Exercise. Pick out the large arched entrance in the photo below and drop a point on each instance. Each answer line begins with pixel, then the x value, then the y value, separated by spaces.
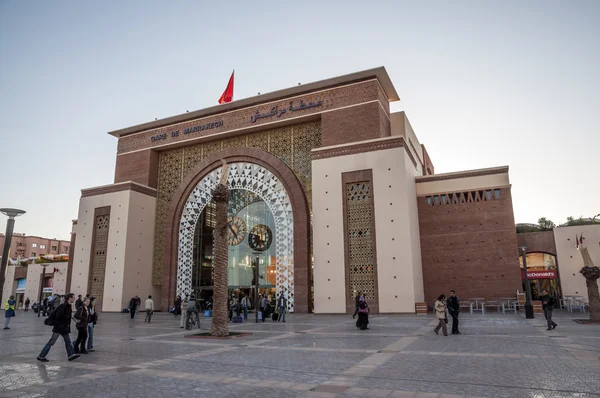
pixel 270 188
pixel 260 226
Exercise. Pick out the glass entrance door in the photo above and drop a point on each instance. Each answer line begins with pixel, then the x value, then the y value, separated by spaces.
pixel 251 238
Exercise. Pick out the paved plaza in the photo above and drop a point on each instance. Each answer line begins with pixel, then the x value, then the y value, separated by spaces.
pixel 309 356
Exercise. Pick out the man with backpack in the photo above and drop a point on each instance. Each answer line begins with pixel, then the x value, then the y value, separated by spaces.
pixel 60 320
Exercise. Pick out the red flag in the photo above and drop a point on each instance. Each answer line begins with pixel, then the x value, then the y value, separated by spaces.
pixel 228 93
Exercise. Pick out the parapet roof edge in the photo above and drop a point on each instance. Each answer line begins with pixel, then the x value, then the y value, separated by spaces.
pixel 379 73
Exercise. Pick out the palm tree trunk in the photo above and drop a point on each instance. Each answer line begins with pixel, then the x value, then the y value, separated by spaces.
pixel 594 298
pixel 220 325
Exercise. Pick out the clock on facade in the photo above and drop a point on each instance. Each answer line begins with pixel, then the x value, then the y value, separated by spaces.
pixel 260 238
pixel 236 231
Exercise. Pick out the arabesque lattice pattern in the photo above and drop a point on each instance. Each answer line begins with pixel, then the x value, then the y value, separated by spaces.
pixel 261 182
pixel 291 144
pixel 360 240
pixel 99 258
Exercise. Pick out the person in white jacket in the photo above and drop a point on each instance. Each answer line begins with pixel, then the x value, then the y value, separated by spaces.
pixel 440 314
pixel 149 305
pixel 184 308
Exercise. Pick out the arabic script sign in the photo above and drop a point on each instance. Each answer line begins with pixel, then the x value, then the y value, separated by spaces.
pixel 275 111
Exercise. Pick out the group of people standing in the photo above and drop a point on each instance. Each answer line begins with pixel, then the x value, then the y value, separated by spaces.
pixel 60 319
pixel 442 308
pixel 134 307
pixel 275 308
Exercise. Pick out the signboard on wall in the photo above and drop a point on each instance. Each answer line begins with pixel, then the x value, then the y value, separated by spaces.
pixel 548 274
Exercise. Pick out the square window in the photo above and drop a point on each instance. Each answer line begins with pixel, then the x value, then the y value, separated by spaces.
pixel 33 254
pixel 42 246
pixel 34 245
pixel 53 248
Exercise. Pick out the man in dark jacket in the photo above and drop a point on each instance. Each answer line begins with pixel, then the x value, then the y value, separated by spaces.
pixel 78 302
pixel 548 305
pixel 453 305
pixel 133 306
pixel 61 319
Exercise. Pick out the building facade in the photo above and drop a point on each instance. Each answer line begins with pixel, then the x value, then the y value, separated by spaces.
pixel 330 194
pixel 554 260
pixel 25 281
pixel 25 246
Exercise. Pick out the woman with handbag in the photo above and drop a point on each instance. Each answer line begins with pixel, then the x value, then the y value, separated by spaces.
pixel 81 322
pixel 92 320
pixel 440 314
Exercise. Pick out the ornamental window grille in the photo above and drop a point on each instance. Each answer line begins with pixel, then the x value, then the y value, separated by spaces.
pixel 361 259
pixel 484 195
pixel 99 257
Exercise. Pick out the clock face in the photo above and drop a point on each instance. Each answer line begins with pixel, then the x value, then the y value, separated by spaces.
pixel 260 238
pixel 236 231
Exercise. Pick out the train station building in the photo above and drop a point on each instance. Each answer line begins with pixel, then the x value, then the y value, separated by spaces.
pixel 331 193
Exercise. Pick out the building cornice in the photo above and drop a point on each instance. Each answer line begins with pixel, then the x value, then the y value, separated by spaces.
pixel 463 174
pixel 378 73
pixel 122 186
pixel 362 147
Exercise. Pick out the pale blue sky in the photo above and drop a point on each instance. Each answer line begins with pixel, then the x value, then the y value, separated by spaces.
pixel 484 83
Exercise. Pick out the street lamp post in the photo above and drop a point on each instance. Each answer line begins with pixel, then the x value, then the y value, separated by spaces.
pixel 528 305
pixel 10 225
pixel 42 287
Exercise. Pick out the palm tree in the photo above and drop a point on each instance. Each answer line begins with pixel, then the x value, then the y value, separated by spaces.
pixel 220 326
pixel 591 274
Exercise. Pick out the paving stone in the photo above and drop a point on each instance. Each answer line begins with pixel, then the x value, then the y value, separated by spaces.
pixel 496 356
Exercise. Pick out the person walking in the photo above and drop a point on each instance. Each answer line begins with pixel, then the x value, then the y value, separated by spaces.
pixel 282 306
pixel 92 320
pixel 139 304
pixel 453 308
pixel 548 306
pixel 356 304
pixel 45 307
pixel 440 314
pixel 184 308
pixel 133 306
pixel 263 307
pixel 61 327
pixel 149 306
pixel 27 302
pixel 78 302
pixel 245 306
pixel 363 314
pixel 177 306
pixel 82 316
pixel 9 312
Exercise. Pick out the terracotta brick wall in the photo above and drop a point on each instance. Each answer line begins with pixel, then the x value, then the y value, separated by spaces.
pixel 357 123
pixel 469 247
pixel 140 167
pixel 538 242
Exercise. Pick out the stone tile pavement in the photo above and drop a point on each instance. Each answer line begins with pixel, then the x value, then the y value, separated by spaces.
pixel 310 356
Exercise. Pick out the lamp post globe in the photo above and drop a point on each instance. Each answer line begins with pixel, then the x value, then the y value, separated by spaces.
pixel 10 225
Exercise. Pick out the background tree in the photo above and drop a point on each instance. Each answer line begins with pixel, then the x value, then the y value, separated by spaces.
pixel 545 224
pixel 220 194
pixel 591 274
